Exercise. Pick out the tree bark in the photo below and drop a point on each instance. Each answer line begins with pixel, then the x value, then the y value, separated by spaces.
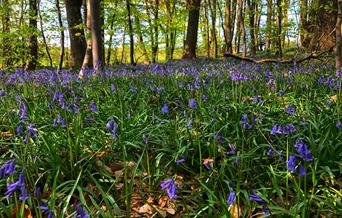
pixel 338 49
pixel 88 53
pixel 76 32
pixel 61 29
pixel 130 32
pixel 212 8
pixel 303 5
pixel 96 34
pixel 279 27
pixel 43 34
pixel 141 38
pixel 191 35
pixel 33 41
pixel 6 42
pixel 251 15
pixel 111 33
pixel 268 24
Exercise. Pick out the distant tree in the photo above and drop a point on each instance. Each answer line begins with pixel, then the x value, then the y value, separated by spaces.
pixel 76 32
pixel 130 32
pixel 61 30
pixel 192 29
pixel 6 42
pixel 338 42
pixel 96 36
pixel 33 41
pixel 268 24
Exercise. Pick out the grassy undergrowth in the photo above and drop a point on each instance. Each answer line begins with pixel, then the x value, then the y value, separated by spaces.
pixel 190 139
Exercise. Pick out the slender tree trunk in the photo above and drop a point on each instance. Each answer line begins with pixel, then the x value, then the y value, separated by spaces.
pixel 111 33
pixel 156 32
pixel 76 32
pixel 43 35
pixel 96 36
pixel 61 27
pixel 279 27
pixel 268 24
pixel 123 46
pixel 251 14
pixel 212 8
pixel 33 41
pixel 303 5
pixel 191 35
pixel 206 31
pixel 338 58
pixel 130 32
pixel 6 45
pixel 141 39
pixel 88 54
pixel 243 31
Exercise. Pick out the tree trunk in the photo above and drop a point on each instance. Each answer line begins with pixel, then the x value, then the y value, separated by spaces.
pixel 61 27
pixel 206 31
pixel 338 49
pixel 123 46
pixel 229 23
pixel 243 31
pixel 155 33
pixel 322 24
pixel 130 32
pixel 251 14
pixel 268 24
pixel 33 41
pixel 191 35
pixel 212 8
pixel 96 36
pixel 6 40
pixel 279 27
pixel 88 53
pixel 43 35
pixel 76 32
pixel 303 14
pixel 111 33
pixel 141 39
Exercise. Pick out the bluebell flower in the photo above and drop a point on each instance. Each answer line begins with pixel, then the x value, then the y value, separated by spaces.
pixel 204 98
pixel 302 171
pixel 19 129
pixel 189 123
pixel 303 151
pixel 255 197
pixel 114 132
pixel 276 129
pixel 26 138
pixel 23 196
pixel 12 187
pixel 112 88
pixel 219 137
pixel 92 107
pixel 32 130
pixel 8 168
pixel 165 109
pixel 270 152
pixel 81 212
pixel 281 92
pixel 339 125
pixel 171 187
pixel 290 109
pixel 192 103
pixel 291 163
pixel 231 149
pixel 244 122
pixel 110 125
pixel 180 160
pixel 45 209
pixel 231 198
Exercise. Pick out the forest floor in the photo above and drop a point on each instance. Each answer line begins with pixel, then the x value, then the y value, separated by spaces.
pixel 200 138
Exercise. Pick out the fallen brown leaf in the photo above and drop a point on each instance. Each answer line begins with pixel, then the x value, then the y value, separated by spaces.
pixel 6 134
